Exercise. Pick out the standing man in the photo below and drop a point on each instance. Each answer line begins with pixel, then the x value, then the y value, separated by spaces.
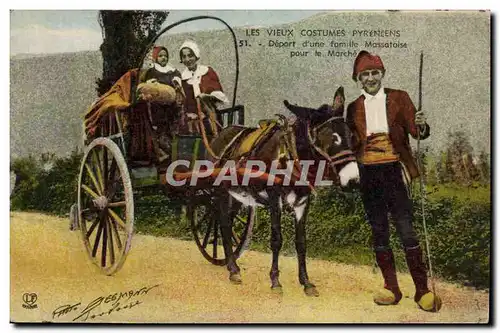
pixel 381 120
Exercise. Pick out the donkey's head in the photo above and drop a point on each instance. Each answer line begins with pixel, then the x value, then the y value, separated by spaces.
pixel 324 134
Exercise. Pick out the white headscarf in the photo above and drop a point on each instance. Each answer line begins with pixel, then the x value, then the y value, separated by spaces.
pixel 192 46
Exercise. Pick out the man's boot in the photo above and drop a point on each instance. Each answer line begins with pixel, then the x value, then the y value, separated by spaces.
pixel 425 299
pixel 392 294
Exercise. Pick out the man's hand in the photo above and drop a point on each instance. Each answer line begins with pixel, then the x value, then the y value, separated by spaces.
pixel 420 119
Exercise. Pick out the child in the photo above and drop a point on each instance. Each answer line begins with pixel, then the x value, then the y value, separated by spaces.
pixel 164 118
pixel 162 71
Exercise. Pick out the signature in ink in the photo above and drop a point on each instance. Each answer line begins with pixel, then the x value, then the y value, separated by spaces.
pixel 87 313
pixel 65 309
pixel 104 305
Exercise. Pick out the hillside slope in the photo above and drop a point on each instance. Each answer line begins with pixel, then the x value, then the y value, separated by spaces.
pixel 50 94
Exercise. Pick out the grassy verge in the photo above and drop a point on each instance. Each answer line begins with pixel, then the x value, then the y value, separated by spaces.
pixel 473 193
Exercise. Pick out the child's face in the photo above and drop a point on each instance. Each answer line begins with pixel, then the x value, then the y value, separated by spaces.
pixel 162 58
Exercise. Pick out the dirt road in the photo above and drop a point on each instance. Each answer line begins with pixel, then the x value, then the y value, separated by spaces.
pixel 167 280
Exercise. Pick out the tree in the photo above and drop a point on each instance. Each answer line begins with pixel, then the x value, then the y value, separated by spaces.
pixel 442 172
pixel 460 152
pixel 126 35
pixel 483 165
pixel 431 168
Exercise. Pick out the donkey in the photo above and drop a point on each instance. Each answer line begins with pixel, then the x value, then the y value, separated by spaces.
pixel 317 135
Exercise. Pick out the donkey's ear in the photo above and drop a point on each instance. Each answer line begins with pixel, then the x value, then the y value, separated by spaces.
pixel 340 91
pixel 298 111
pixel 338 101
pixel 338 98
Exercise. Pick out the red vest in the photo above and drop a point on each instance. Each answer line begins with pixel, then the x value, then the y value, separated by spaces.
pixel 401 122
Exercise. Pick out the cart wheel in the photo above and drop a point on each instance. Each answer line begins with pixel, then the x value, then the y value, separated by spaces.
pixel 105 205
pixel 207 233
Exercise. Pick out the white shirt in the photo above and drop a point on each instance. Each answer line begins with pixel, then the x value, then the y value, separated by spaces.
pixel 376 113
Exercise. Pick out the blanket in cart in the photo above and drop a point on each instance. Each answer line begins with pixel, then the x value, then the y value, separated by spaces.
pixel 117 98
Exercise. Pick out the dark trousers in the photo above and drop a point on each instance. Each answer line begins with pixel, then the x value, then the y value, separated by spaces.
pixel 384 192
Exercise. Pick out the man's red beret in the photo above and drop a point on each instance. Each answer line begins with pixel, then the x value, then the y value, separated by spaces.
pixel 364 61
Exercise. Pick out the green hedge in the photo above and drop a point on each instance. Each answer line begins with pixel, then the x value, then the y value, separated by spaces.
pixel 459 234
pixel 43 188
pixel 459 230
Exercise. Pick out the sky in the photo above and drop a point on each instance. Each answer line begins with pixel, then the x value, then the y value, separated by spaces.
pixel 56 31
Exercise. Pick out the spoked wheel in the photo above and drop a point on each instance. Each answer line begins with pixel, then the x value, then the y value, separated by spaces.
pixel 105 205
pixel 208 235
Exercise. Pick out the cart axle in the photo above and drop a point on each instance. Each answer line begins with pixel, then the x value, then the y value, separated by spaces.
pixel 101 202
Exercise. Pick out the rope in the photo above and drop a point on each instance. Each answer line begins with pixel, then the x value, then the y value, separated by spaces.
pixel 211 115
pixel 202 130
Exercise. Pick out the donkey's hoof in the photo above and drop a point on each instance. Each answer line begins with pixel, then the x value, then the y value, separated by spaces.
pixel 277 288
pixel 235 278
pixel 310 290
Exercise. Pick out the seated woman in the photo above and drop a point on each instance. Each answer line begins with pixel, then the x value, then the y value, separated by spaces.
pixel 198 81
pixel 166 104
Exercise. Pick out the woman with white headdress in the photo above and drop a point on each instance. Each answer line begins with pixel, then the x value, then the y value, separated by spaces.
pixel 198 81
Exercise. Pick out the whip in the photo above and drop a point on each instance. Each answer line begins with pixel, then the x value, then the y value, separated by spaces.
pixel 422 180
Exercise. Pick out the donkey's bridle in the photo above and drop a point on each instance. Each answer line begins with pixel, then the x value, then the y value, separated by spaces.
pixel 339 158
pixel 329 120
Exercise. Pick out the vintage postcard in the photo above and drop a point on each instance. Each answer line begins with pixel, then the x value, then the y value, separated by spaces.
pixel 250 166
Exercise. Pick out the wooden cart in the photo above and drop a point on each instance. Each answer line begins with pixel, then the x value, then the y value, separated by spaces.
pixel 110 177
